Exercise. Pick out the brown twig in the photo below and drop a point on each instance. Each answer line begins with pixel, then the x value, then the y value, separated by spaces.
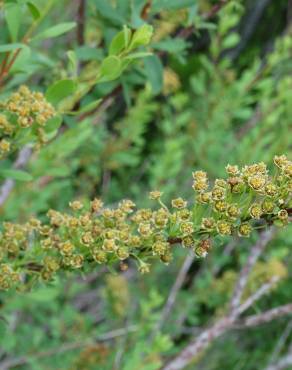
pixel 146 9
pixel 80 21
pixel 7 66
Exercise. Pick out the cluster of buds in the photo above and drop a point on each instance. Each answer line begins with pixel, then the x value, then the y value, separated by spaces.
pixel 91 234
pixel 24 109
pixel 8 277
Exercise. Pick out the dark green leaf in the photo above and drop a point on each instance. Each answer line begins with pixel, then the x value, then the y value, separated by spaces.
pixel 34 11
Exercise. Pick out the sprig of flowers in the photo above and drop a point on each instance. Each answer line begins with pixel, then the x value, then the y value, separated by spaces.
pixel 24 114
pixel 89 235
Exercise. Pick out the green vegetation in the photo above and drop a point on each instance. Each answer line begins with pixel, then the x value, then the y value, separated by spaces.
pixel 106 101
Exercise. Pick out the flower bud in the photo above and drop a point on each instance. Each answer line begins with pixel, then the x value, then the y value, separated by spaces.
pixel 178 203
pixel 224 228
pixel 255 211
pixel 244 229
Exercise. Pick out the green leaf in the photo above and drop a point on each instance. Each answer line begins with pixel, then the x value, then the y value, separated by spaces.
pixel 120 41
pixel 55 31
pixel 107 11
pixel 16 175
pixel 53 123
pixel 73 62
pixel 87 108
pixel 22 61
pixel 171 45
pixel 60 171
pixel 142 36
pixel 159 5
pixel 111 68
pixel 10 47
pixel 60 90
pixel 231 40
pixel 34 11
pixel 85 53
pixel 13 17
pixel 43 294
pixel 154 72
pixel 138 55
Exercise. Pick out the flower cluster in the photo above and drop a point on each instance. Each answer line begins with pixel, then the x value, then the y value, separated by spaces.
pixel 92 234
pixel 24 109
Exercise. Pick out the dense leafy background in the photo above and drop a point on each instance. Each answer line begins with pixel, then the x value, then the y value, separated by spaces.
pixel 216 90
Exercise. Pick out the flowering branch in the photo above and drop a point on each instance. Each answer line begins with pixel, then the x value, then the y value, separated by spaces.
pixel 92 234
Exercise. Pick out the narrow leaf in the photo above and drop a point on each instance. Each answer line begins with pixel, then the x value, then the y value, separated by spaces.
pixel 138 55
pixel 55 31
pixel 154 72
pixel 16 175
pixel 34 11
pixel 10 47
pixel 86 108
pixel 13 19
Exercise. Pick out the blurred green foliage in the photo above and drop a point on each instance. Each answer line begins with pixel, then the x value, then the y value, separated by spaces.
pixel 216 89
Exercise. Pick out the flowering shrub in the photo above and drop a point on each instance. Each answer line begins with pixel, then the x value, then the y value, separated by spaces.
pixel 248 198
pixel 105 100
